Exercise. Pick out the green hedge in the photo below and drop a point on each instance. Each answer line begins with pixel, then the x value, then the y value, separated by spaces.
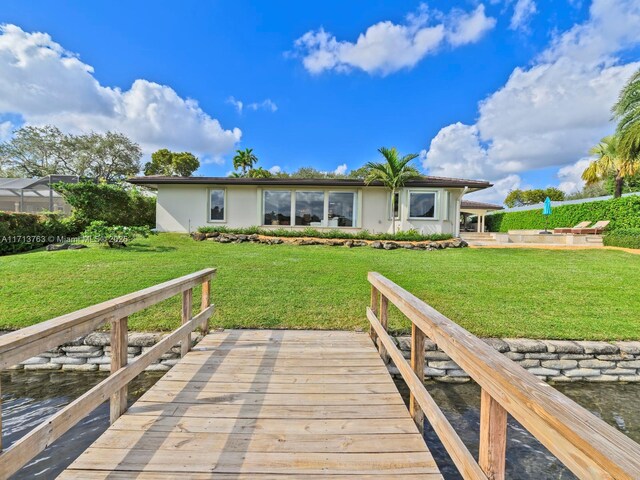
pixel 623 213
pixel 21 232
pixel 406 236
pixel 628 238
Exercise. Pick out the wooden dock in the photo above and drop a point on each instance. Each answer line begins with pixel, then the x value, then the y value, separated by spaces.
pixel 266 404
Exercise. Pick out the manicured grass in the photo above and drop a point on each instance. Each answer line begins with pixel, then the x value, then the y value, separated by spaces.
pixel 580 294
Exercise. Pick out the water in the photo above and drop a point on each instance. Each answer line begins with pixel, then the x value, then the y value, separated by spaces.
pixel 30 397
pixel 527 459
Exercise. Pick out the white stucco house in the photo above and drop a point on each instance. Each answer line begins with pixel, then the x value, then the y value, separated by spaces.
pixel 429 204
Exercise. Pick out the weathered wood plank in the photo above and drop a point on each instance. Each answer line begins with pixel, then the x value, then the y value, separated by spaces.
pixel 171 475
pixel 256 379
pixel 119 344
pixel 280 388
pixel 187 307
pixel 493 437
pixel 417 365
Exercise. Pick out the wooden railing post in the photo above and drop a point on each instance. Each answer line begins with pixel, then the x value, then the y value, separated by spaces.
pixel 119 346
pixel 417 365
pixel 0 417
pixel 187 302
pixel 375 307
pixel 493 437
pixel 206 301
pixel 384 320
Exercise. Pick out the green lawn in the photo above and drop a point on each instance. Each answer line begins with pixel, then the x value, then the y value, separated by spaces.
pixel 581 294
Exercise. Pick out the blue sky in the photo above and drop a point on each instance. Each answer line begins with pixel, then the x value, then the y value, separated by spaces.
pixel 514 91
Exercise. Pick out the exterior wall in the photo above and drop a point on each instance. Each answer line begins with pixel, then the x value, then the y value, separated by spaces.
pixel 184 208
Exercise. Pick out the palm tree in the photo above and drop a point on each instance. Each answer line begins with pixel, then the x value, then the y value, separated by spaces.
pixel 610 162
pixel 393 173
pixel 244 160
pixel 627 112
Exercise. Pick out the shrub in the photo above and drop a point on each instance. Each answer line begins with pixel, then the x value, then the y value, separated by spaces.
pixel 623 213
pixel 409 235
pixel 115 235
pixel 114 204
pixel 21 232
pixel 627 238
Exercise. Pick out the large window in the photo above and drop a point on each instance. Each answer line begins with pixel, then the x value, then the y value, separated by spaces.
pixel 277 207
pixel 216 204
pixel 310 208
pixel 422 205
pixel 341 209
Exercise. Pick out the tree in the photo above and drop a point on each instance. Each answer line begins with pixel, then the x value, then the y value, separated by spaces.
pixel 610 161
pixel 244 160
pixel 168 163
pixel 627 112
pixel 394 172
pixel 40 151
pixel 259 173
pixel 518 198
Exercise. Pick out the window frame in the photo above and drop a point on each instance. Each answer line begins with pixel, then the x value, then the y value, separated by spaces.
pixel 354 220
pixel 224 205
pixel 436 205
pixel 292 206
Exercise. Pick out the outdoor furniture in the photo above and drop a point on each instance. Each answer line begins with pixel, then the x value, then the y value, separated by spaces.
pixel 568 230
pixel 596 229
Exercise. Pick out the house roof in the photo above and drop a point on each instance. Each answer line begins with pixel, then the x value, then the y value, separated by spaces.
pixel 154 181
pixel 479 205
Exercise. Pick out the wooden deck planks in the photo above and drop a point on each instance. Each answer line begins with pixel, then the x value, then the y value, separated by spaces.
pixel 266 404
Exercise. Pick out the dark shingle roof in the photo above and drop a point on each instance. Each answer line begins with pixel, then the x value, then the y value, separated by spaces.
pixel 320 182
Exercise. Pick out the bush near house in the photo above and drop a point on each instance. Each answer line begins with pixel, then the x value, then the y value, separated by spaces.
pixel 115 204
pixel 115 235
pixel 406 236
pixel 624 213
pixel 627 238
pixel 21 232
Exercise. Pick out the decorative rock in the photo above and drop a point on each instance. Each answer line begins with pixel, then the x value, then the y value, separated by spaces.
pixel 77 246
pixel 81 349
pixel 43 366
pixel 614 358
pixel 529 363
pixel 433 372
pixel 103 367
pixel 563 346
pixel 514 355
pixel 104 360
pixel 546 372
pixel 198 237
pixel 54 247
pixel 629 364
pixel 157 367
pixel 630 378
pixel 51 354
pixel 619 371
pixel 575 356
pixel 390 245
pixel 212 234
pixel 498 344
pixel 97 353
pixel 448 365
pixel 450 379
pixel 171 362
pixel 35 361
pixel 563 379
pixel 594 363
pixel 560 364
pixel 541 356
pixel 436 355
pixel 457 373
pixel 376 245
pixel 582 372
pixel 87 367
pixel 602 378
pixel 69 361
pixel 525 345
pixel 144 339
pixel 598 347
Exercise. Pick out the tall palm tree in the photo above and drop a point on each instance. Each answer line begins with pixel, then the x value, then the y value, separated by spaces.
pixel 394 172
pixel 627 112
pixel 244 160
pixel 610 161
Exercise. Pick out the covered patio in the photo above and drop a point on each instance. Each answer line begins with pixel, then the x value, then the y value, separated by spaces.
pixel 469 209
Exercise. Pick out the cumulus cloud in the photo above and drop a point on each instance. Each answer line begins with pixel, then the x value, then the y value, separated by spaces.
pixel 45 84
pixel 523 10
pixel 6 128
pixel 552 112
pixel 341 169
pixel 386 47
pixel 266 104
pixel 571 176
pixel 275 169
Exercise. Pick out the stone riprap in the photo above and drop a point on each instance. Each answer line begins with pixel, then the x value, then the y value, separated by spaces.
pixel 550 360
pixel 93 353
pixel 333 242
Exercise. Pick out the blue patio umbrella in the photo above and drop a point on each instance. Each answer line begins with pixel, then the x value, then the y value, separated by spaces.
pixel 546 211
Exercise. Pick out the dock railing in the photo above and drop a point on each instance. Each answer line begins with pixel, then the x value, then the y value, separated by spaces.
pixel 585 444
pixel 20 345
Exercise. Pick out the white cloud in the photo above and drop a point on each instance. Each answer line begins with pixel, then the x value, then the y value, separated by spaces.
pixel 386 47
pixel 275 169
pixel 44 83
pixel 341 169
pixel 6 128
pixel 522 13
pixel 551 113
pixel 266 104
pixel 571 176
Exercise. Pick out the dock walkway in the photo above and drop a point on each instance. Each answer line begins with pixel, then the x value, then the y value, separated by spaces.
pixel 266 404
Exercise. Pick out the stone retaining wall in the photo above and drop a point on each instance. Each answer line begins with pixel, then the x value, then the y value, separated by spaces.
pixel 550 360
pixel 92 353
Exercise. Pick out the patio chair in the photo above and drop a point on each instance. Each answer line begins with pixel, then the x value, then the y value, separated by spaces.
pixel 596 229
pixel 568 230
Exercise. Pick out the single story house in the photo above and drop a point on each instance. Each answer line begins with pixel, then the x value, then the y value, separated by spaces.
pixel 428 204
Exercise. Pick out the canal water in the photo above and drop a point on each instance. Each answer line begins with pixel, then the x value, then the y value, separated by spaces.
pixel 30 397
